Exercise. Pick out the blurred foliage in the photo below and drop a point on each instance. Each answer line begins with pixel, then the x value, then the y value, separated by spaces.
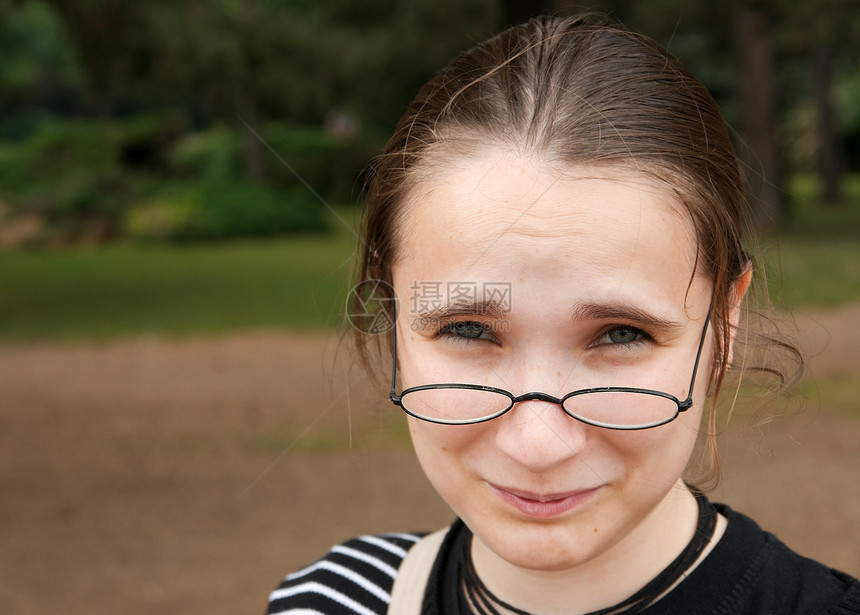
pixel 39 73
pixel 72 177
pixel 291 59
pixel 331 166
pixel 222 208
pixel 142 178
pixel 131 118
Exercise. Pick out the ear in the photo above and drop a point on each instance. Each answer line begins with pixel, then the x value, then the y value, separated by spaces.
pixel 739 289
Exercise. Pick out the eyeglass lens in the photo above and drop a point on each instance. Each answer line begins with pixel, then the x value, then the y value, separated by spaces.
pixel 611 408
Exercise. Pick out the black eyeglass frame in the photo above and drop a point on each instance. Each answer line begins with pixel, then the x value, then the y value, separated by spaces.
pixel 535 395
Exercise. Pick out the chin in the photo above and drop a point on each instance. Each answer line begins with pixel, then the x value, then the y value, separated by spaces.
pixel 541 546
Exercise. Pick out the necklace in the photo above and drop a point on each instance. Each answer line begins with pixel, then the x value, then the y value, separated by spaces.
pixel 484 602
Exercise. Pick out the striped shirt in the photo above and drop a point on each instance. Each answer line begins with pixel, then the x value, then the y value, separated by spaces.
pixel 354 578
pixel 749 572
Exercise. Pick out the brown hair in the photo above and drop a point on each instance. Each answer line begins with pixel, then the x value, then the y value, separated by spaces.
pixel 574 90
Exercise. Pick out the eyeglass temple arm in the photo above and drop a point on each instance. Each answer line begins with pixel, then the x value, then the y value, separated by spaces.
pixel 688 403
pixel 393 395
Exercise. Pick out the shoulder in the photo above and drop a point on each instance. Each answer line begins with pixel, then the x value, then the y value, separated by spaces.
pixel 752 572
pixel 353 577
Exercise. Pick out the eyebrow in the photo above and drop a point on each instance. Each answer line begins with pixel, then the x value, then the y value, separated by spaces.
pixel 625 311
pixel 582 311
pixel 466 307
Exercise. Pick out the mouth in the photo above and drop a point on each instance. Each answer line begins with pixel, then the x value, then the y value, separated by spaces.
pixel 543 505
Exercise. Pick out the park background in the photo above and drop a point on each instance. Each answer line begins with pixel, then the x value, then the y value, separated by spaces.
pixel 181 422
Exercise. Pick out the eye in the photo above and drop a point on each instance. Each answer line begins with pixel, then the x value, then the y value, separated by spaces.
pixel 467 330
pixel 622 335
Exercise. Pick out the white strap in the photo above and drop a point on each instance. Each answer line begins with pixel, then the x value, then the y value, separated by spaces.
pixel 407 595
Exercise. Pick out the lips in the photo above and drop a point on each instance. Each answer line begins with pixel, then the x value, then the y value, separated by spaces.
pixel 543 505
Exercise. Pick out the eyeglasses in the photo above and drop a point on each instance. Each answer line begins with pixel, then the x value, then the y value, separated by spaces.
pixel 624 408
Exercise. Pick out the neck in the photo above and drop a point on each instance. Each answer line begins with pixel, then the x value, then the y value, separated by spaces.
pixel 605 580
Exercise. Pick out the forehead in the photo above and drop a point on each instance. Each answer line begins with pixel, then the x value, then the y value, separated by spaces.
pixel 510 217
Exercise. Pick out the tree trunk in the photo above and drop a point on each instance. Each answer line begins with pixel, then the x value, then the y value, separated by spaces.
pixel 829 156
pixel 253 150
pixel 759 151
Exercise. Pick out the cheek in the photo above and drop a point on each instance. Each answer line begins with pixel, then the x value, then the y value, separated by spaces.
pixel 448 454
pixel 663 451
pixel 416 364
pixel 443 443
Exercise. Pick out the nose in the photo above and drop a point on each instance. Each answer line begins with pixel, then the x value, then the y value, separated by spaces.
pixel 537 434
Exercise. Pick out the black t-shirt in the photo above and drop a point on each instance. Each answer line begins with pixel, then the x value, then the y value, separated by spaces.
pixel 749 572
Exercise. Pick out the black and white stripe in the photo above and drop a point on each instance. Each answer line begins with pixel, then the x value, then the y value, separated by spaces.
pixel 354 578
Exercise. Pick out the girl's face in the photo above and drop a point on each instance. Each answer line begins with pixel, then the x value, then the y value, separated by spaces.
pixel 587 274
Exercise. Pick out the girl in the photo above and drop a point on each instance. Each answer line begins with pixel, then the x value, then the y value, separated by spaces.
pixel 556 224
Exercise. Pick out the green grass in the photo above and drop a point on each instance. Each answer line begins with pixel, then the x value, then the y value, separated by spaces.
pixel 297 283
pixel 806 271
pixel 809 218
pixel 815 261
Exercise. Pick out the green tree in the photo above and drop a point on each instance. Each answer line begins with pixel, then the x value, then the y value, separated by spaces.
pixel 38 70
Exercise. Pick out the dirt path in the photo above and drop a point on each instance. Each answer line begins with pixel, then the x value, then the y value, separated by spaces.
pixel 158 476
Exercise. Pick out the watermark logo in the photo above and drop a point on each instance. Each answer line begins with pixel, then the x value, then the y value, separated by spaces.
pixel 370 306
pixel 430 296
pixel 372 303
pixel 429 299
